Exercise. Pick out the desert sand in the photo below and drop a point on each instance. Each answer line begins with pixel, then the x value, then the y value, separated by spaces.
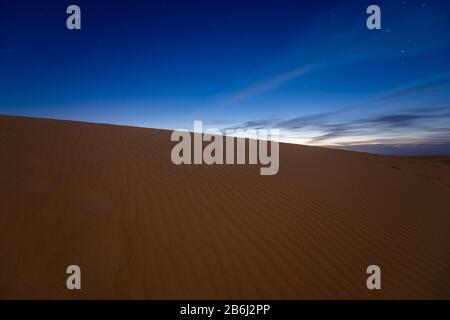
pixel 108 198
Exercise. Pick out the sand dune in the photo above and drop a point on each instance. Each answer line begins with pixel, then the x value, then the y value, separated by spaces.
pixel 108 199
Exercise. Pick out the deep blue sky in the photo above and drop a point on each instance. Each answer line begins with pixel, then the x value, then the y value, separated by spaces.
pixel 312 68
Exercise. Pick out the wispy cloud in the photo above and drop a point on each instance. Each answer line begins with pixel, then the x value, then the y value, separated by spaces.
pixel 434 84
pixel 304 121
pixel 411 125
pixel 355 45
pixel 270 84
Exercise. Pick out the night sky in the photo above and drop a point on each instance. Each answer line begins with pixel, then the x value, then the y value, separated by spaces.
pixel 312 68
